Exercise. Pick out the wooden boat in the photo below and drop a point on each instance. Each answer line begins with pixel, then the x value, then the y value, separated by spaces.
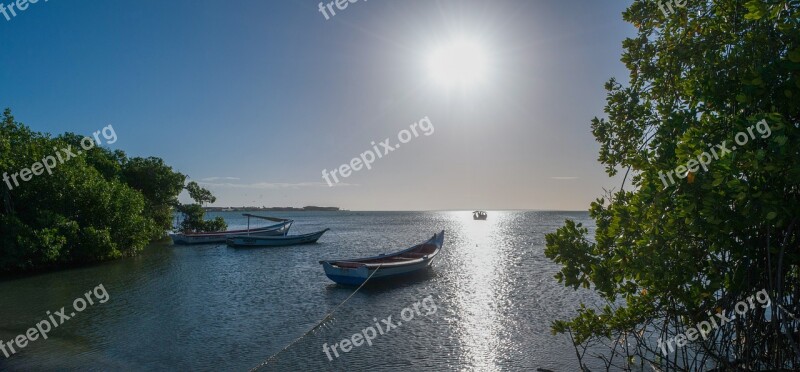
pixel 388 266
pixel 279 229
pixel 479 215
pixel 273 241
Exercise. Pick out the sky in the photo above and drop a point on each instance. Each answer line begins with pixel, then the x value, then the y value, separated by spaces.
pixel 254 99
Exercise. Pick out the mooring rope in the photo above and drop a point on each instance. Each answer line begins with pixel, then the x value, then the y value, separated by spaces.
pixel 314 328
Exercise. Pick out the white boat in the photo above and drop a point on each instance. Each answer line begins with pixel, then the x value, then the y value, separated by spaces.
pixel 279 229
pixel 240 241
pixel 385 266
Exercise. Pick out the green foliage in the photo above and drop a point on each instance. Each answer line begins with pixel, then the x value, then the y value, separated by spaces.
pixel 666 258
pixel 194 214
pixel 159 184
pixel 96 206
pixel 194 220
pixel 199 194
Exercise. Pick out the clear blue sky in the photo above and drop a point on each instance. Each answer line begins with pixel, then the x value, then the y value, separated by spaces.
pixel 256 98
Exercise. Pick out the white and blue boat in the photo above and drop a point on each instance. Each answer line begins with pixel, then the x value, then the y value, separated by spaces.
pixel 386 266
pixel 279 229
pixel 243 241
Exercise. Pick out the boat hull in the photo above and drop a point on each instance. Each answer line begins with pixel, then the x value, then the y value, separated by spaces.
pixel 385 267
pixel 479 215
pixel 359 276
pixel 276 241
pixel 222 236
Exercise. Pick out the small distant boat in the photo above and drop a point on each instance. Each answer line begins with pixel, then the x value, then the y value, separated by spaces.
pixel 405 262
pixel 273 241
pixel 279 229
pixel 479 215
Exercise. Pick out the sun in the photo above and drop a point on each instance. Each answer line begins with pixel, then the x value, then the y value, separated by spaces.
pixel 461 63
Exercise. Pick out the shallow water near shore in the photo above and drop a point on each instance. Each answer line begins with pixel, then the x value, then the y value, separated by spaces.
pixel 210 307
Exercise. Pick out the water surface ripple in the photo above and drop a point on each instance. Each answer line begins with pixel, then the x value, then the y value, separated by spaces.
pixel 212 307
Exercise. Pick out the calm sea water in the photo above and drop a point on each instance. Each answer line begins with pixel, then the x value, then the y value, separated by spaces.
pixel 212 307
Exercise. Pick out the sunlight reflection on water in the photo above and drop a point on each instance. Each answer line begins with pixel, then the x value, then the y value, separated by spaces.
pixel 212 307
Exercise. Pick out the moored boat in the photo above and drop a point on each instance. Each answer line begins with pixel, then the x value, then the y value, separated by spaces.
pixel 279 229
pixel 239 241
pixel 385 266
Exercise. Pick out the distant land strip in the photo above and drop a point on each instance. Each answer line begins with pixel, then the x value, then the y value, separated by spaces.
pixel 273 209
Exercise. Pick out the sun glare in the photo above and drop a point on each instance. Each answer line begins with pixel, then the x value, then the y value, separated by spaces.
pixel 462 63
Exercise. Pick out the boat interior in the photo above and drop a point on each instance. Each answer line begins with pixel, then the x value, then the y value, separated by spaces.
pixel 417 252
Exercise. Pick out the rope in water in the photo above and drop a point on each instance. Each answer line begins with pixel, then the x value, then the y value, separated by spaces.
pixel 314 328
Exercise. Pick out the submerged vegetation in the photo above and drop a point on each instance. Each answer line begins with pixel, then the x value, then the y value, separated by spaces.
pixel 668 258
pixel 99 205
